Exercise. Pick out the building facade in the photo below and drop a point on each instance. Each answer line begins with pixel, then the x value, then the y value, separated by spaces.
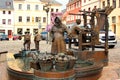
pixel 31 15
pixel 76 6
pixel 114 17
pixel 73 7
pixel 6 17
pixel 88 5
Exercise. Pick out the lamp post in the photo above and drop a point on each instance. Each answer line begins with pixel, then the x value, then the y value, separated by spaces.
pixel 46 8
pixel 39 26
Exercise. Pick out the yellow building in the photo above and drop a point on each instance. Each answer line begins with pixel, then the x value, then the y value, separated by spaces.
pixel 30 15
pixel 114 17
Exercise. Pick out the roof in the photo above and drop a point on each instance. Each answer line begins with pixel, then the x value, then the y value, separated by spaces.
pixel 6 4
pixel 51 2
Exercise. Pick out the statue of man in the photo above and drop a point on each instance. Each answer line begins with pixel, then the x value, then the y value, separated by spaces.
pixel 37 39
pixel 27 41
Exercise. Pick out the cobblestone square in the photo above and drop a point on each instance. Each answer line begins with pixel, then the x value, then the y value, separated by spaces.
pixel 16 46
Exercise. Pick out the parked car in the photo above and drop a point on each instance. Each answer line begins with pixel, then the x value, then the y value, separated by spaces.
pixel 3 37
pixel 111 39
pixel 16 37
pixel 44 35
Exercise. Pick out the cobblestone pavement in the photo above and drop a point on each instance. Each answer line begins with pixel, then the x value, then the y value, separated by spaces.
pixel 16 46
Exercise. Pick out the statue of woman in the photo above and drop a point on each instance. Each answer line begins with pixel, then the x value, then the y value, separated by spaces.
pixel 57 34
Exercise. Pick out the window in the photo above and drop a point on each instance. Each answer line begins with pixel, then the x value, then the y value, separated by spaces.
pixel 3 12
pixel 103 4
pixel 28 19
pixel 20 19
pixel 88 9
pixel 114 3
pixel 114 19
pixel 84 1
pixel 52 10
pixel 36 7
pixel 9 21
pixel 119 3
pixel 37 19
pixel 20 6
pixel 9 12
pixel 19 30
pixel 44 19
pixel 3 21
pixel 28 30
pixel 28 7
pixel 108 2
pixel 8 3
pixel 56 10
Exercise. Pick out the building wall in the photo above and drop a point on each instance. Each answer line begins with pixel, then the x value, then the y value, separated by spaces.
pixel 114 17
pixel 89 5
pixel 73 7
pixel 32 13
pixel 6 16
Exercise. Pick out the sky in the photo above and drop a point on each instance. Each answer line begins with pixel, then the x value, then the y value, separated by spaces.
pixel 63 2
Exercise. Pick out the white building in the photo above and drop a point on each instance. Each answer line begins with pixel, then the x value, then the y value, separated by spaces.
pixel 6 17
pixel 89 5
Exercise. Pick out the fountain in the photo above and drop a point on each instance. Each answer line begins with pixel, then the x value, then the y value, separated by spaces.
pixel 77 64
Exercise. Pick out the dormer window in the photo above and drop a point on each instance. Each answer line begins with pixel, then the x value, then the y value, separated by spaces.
pixel 8 3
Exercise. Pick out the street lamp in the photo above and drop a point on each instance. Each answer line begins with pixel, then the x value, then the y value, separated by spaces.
pixel 39 26
pixel 46 8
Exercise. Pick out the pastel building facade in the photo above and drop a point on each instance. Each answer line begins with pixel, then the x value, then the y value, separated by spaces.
pixel 114 17
pixel 31 16
pixel 6 17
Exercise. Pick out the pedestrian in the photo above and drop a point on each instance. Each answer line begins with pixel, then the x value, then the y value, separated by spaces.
pixel 37 39
pixel 27 41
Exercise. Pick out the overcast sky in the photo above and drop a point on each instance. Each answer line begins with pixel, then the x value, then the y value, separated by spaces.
pixel 63 2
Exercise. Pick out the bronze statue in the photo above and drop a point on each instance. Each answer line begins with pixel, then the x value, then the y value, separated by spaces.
pixel 57 33
pixel 76 28
pixel 37 39
pixel 27 41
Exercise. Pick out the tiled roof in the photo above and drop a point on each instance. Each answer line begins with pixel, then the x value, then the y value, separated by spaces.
pixel 51 2
pixel 6 4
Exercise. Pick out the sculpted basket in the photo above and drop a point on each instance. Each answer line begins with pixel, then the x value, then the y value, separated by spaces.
pixel 71 64
pixel 61 65
pixel 45 65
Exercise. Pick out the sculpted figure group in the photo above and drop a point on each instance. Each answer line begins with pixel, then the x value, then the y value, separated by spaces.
pixel 57 35
pixel 27 40
pixel 58 29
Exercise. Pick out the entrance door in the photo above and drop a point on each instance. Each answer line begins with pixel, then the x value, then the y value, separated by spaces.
pixel 9 34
